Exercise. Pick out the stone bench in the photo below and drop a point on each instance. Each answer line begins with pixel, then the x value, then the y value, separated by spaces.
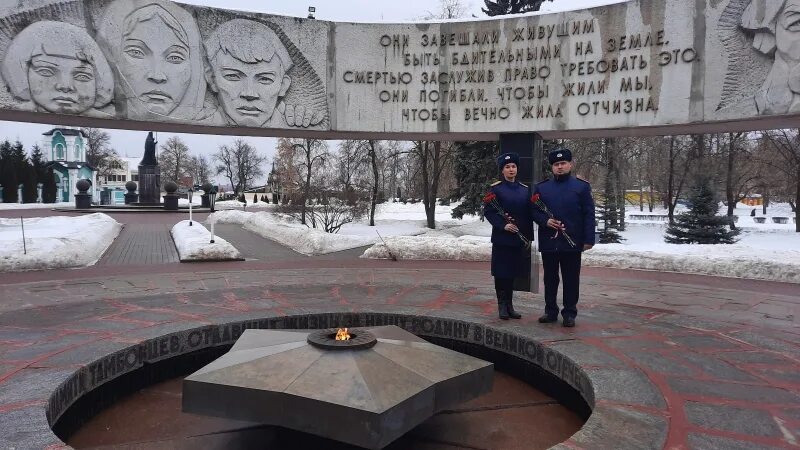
pixel 759 219
pixel 781 220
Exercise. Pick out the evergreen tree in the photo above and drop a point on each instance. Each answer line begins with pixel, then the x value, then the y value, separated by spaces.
pixel 606 213
pixel 38 163
pixel 29 181
pixel 503 7
pixel 475 169
pixel 49 190
pixel 9 179
pixel 701 224
pixel 255 198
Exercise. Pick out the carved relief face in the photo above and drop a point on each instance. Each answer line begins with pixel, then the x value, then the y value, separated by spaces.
pixel 61 85
pixel 787 33
pixel 249 92
pixel 155 64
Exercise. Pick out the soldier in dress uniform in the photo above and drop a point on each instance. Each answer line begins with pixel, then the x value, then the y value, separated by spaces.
pixel 512 231
pixel 570 201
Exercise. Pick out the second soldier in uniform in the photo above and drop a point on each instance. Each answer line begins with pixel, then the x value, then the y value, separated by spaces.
pixel 508 209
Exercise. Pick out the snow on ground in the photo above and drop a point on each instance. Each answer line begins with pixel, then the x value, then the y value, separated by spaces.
pixel 194 244
pixel 4 206
pixel 765 251
pixel 391 219
pixel 235 204
pixel 55 242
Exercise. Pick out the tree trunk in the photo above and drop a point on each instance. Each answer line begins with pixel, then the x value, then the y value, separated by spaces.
pixel 374 160
pixel 670 203
pixel 729 194
pixel 797 201
pixel 765 201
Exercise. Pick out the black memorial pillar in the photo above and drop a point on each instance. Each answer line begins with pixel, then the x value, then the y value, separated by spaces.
pixel 529 148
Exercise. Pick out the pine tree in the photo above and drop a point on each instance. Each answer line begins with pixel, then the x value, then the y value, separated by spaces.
pixel 255 198
pixel 701 224
pixel 503 7
pixel 606 212
pixel 475 169
pixel 49 190
pixel 38 163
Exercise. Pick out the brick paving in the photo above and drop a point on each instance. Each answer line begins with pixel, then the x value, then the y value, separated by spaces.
pixel 675 361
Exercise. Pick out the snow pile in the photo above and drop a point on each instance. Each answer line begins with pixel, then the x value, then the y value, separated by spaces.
pixel 298 237
pixel 55 242
pixel 464 248
pixel 194 244
pixel 235 204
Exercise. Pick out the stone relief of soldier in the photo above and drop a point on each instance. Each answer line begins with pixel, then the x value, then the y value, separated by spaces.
pixel 249 72
pixel 776 24
pixel 58 68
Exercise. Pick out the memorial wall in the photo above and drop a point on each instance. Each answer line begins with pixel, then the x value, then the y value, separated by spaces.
pixel 640 67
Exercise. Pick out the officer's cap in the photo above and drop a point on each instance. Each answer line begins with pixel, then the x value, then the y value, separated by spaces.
pixel 559 154
pixel 507 158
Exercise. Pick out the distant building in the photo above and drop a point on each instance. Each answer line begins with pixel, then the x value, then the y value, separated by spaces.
pixel 123 169
pixel 64 150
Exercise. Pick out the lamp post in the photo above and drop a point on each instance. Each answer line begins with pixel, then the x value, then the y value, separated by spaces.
pixel 311 11
pixel 189 196
pixel 212 198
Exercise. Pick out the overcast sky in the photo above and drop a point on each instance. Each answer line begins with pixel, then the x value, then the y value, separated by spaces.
pixel 131 143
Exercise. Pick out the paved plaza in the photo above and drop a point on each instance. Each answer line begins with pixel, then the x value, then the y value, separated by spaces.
pixel 672 360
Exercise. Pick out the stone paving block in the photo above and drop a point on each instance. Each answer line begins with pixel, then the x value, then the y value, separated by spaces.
pixel 705 442
pixel 716 368
pixel 634 343
pixel 162 330
pixel 788 374
pixel 585 354
pixel 749 421
pixel 614 428
pixel 26 385
pixel 83 354
pixel 760 340
pixel 629 386
pixel 754 357
pixel 658 363
pixel 55 315
pixel 27 425
pixel 100 325
pixel 24 335
pixel 704 342
pixel 150 316
pixel 39 349
pixel 733 391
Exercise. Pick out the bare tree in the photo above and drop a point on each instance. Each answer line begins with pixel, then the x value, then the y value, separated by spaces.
pixel 99 153
pixel 306 155
pixel 678 162
pixel 240 163
pixel 174 160
pixel 199 169
pixel 740 177
pixel 432 158
pixel 784 145
pixel 350 160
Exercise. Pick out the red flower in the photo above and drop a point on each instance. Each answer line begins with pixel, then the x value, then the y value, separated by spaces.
pixel 535 197
pixel 490 197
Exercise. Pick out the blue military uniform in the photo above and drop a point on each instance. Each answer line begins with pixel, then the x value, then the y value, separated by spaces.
pixel 570 201
pixel 510 256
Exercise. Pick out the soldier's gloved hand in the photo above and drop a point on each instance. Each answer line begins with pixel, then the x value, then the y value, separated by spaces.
pixel 511 228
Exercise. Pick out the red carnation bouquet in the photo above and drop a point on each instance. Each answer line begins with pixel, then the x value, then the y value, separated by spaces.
pixel 491 199
pixel 536 199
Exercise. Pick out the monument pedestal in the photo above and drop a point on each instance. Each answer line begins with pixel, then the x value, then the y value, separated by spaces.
pixel 171 202
pixel 83 201
pixel 131 198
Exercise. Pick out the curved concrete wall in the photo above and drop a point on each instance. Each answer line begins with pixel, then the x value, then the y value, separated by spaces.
pixel 641 67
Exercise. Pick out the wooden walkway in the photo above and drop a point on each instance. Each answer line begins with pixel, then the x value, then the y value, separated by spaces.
pixel 141 244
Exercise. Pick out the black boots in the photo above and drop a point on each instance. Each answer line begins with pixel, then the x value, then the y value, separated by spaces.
pixel 505 306
pixel 502 309
pixel 511 313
